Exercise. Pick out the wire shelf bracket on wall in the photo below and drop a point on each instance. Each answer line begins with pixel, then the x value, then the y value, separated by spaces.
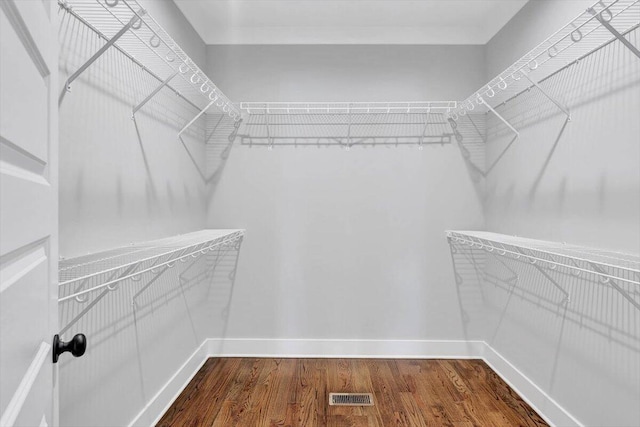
pixel 587 33
pixel 151 95
pixel 67 84
pixel 127 26
pixel 98 274
pixel 610 268
pixel 600 16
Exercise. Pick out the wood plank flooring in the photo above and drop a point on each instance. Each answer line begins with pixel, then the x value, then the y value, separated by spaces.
pixel 294 392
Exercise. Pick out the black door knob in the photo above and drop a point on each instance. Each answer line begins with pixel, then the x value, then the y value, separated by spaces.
pixel 76 346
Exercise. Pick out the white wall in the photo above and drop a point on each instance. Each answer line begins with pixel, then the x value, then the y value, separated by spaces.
pixel 579 185
pixel 345 244
pixel 120 182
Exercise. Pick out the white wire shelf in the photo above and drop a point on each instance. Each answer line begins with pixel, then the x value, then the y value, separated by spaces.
pixel 614 268
pixel 129 27
pixel 346 124
pixel 87 274
pixel 589 31
pixel 334 108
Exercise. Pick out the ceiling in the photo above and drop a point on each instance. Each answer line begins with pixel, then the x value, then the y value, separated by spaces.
pixel 348 21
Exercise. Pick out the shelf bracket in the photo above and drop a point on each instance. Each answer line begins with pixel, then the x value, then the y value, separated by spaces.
pixel 195 118
pixel 426 125
pixel 502 119
pixel 134 301
pixel 67 84
pixel 513 280
pixel 605 23
pixel 95 301
pixel 566 299
pixel 349 126
pixel 564 109
pixel 151 95
pixel 266 123
pixel 599 271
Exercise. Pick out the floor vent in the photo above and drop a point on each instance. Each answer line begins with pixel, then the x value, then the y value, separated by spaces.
pixel 350 399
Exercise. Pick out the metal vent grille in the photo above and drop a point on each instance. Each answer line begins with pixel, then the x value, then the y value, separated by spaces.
pixel 351 399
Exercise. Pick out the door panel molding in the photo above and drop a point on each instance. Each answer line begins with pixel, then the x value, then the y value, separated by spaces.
pixel 14 16
pixel 22 392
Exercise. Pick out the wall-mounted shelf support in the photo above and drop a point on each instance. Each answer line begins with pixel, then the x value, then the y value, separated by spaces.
pixel 605 23
pixel 564 109
pixel 149 283
pixel 96 300
pixel 502 119
pixel 136 19
pixel 424 129
pixel 533 262
pixel 349 127
pixel 195 118
pixel 266 122
pixel 616 286
pixel 152 94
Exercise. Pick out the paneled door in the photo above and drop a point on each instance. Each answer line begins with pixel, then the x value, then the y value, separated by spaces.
pixel 28 211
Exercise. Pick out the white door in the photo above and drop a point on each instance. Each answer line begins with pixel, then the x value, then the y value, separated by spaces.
pixel 28 210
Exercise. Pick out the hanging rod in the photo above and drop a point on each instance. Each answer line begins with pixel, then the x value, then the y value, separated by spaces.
pixel 610 267
pixel 588 32
pixel 151 45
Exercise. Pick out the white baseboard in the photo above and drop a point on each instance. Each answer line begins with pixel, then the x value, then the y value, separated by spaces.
pixel 158 405
pixel 397 349
pixel 537 398
pixel 553 413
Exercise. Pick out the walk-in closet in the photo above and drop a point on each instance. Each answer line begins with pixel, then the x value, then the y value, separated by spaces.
pixel 352 213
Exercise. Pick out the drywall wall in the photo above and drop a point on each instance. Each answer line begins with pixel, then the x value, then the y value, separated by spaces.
pixel 124 181
pixel 572 181
pixel 345 244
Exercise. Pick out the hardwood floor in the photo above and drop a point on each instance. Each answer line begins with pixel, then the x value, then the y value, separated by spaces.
pixel 295 392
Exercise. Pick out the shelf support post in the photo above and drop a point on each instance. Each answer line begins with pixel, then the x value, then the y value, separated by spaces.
pixel 564 109
pixel 195 118
pixel 67 84
pixel 502 119
pixel 605 23
pixel 152 94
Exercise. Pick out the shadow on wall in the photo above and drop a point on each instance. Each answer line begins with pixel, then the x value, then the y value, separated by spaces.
pixel 603 73
pixel 139 332
pixel 116 77
pixel 134 177
pixel 595 77
pixel 589 328
pixel 468 272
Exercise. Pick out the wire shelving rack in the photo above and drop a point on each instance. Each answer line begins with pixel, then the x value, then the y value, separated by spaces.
pixel 127 26
pixel 347 124
pixel 82 276
pixel 332 108
pixel 606 21
pixel 619 270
